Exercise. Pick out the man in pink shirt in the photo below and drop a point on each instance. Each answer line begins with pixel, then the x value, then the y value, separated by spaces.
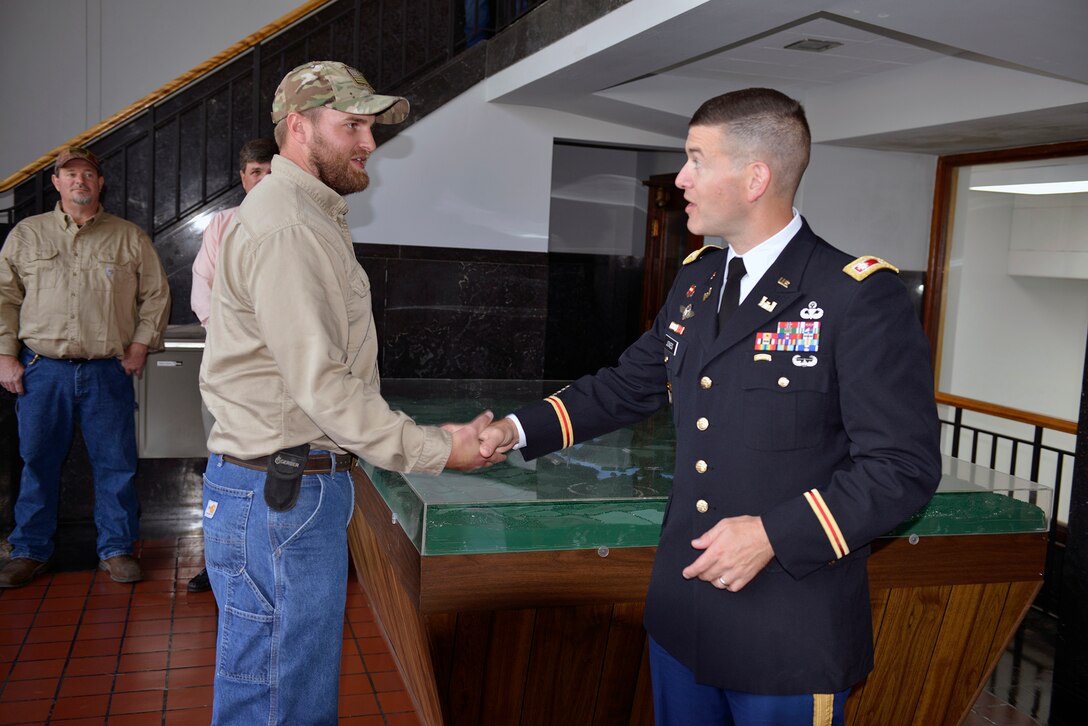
pixel 254 162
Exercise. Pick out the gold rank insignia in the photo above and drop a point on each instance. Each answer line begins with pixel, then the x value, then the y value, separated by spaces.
pixel 866 265
pixel 697 253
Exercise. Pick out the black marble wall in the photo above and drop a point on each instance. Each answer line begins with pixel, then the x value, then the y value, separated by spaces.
pixel 499 315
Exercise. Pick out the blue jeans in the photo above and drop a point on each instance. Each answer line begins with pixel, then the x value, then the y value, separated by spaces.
pixel 100 396
pixel 280 579
pixel 680 701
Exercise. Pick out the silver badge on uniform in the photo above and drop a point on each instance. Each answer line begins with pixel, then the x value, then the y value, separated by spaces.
pixel 804 361
pixel 812 312
pixel 685 312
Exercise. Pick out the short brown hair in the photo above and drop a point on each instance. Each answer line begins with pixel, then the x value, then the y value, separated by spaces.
pixel 259 151
pixel 766 123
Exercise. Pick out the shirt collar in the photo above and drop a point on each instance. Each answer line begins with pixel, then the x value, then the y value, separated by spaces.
pixel 65 220
pixel 760 258
pixel 332 203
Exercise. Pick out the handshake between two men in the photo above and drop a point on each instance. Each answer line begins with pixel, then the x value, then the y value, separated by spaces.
pixel 481 442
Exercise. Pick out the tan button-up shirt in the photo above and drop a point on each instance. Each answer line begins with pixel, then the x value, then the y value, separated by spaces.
pixel 80 292
pixel 291 353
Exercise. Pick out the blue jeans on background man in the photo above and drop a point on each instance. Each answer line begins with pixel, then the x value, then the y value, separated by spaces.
pixel 280 580
pixel 100 396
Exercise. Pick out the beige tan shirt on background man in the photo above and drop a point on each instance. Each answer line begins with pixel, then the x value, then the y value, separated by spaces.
pixel 76 292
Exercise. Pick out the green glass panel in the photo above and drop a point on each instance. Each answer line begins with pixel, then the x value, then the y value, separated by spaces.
pixel 611 491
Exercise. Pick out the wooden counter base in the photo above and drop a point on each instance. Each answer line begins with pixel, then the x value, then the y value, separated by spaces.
pixel 556 637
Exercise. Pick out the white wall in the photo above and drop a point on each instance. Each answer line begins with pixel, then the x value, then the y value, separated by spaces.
pixel 489 184
pixel 85 60
pixel 997 326
pixel 871 202
pixel 598 203
pixel 475 175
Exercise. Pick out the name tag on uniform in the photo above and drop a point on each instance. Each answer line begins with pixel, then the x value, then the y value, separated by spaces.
pixel 672 345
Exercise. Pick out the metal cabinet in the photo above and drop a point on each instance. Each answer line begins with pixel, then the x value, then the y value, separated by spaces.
pixel 168 418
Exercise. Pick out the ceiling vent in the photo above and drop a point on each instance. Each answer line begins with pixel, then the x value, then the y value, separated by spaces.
pixel 813 45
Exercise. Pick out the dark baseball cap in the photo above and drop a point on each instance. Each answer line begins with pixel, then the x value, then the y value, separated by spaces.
pixel 76 152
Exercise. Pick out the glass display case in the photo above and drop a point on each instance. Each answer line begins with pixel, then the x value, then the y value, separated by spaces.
pixel 611 491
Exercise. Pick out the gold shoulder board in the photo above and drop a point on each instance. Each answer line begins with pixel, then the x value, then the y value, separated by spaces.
pixel 695 255
pixel 866 265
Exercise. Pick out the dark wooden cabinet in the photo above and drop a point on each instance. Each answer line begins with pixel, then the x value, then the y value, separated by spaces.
pixel 668 242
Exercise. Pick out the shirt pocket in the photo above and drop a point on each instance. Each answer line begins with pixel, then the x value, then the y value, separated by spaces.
pixel 358 306
pixel 226 516
pixel 784 406
pixel 40 268
pixel 109 274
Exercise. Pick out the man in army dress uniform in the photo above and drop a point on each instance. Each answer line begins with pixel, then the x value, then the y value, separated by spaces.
pixel 802 396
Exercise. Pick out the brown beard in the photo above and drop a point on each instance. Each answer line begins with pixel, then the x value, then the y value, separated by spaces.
pixel 334 172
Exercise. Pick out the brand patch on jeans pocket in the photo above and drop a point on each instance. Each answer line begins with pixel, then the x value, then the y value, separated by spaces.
pixel 209 511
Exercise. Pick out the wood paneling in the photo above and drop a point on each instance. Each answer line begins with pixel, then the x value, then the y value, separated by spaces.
pixel 565 665
pixel 951 560
pixel 535 579
pixel 622 662
pixel 556 637
pixel 401 624
pixel 508 666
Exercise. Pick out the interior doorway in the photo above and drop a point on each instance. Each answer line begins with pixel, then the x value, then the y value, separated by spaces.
pixel 668 242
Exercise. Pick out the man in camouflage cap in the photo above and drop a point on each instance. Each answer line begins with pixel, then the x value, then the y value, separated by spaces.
pixel 337 86
pixel 290 371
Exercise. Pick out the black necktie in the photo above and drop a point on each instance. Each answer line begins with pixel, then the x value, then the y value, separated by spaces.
pixel 731 295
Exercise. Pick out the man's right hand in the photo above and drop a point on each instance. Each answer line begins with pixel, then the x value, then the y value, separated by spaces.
pixel 465 454
pixel 11 374
pixel 498 438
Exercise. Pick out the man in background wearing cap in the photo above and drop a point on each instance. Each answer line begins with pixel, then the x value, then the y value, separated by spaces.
pixel 83 297
pixel 290 375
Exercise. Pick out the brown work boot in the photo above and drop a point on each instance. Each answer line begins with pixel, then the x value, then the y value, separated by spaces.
pixel 122 568
pixel 20 571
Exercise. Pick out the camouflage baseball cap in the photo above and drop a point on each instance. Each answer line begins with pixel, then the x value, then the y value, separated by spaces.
pixel 76 152
pixel 338 86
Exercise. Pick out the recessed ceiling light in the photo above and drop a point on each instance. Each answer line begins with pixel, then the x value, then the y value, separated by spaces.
pixel 813 45
pixel 1066 187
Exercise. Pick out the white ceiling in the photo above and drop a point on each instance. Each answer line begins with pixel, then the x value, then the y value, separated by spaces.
pixel 924 76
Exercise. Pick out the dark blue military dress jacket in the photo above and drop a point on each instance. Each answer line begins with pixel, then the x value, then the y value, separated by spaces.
pixel 812 408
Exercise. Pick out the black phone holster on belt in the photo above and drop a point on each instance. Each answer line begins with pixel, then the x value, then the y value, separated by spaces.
pixel 283 480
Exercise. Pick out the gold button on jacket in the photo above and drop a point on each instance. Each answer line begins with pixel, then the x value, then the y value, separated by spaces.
pixel 701 506
pixel 700 466
pixel 705 382
pixel 702 424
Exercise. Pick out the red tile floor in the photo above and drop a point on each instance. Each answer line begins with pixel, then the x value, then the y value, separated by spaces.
pixel 78 648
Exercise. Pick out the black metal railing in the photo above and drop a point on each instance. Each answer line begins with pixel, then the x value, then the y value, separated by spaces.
pixel 1027 457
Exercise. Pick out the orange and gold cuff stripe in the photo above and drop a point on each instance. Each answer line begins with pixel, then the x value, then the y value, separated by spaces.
pixel 827 521
pixel 565 427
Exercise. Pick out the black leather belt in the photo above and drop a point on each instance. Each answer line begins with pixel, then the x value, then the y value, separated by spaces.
pixel 316 464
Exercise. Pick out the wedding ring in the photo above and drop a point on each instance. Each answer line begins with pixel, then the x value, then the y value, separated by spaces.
pixel 723 582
